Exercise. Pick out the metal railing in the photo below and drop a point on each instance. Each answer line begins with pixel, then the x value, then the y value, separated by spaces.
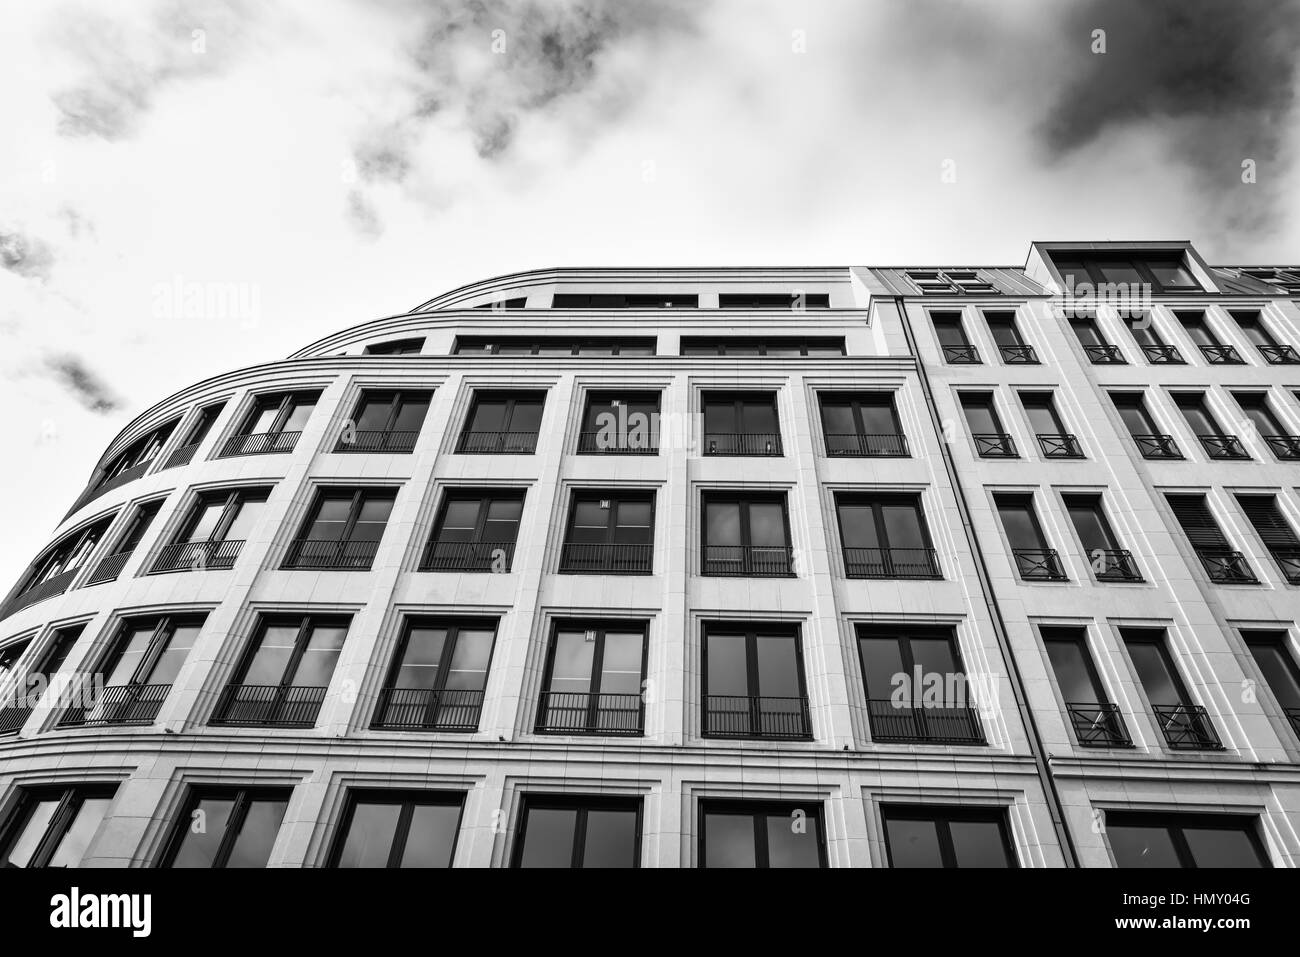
pixel 1157 446
pixel 467 556
pixel 891 563
pixel 742 443
pixel 46 589
pixel 1098 725
pixel 121 704
pixel 994 445
pixel 860 444
pixel 1163 355
pixel 377 440
pixel 198 556
pixel 940 723
pixel 421 709
pixel 310 553
pixel 961 355
pixel 752 561
pixel 1288 562
pixel 182 456
pixel 1102 355
pixel 1226 567
pixel 1222 355
pixel 107 485
pixel 108 569
pixel 260 443
pixel 497 443
pixel 269 706
pixel 13 717
pixel 1117 565
pixel 624 443
pixel 1039 564
pixel 1059 445
pixel 1187 727
pixel 1284 446
pixel 1021 354
pixel 1223 447
pixel 741 716
pixel 1279 355
pixel 606 558
pixel 571 712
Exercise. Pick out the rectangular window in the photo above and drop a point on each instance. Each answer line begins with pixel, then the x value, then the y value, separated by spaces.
pixel 1254 328
pixel 861 424
pixel 1275 532
pixel 767 346
pixel 1198 330
pixel 398 829
pixel 578 831
pixel 1272 653
pixel 1285 446
pixel 1184 724
pixel 953 343
pixel 949 282
pixel 273 424
pixel 343 529
pixel 438 675
pixel 746 536
pixel 754 834
pixel 385 421
pixel 738 423
pixel 619 300
pixel 1151 442
pixel 1284 280
pixel 609 533
pixel 504 423
pixel 1142 839
pixel 516 302
pixel 926 836
pixel 198 431
pixel 1011 345
pixel 1096 721
pixel 620 423
pixel 1156 350
pixel 1109 562
pixel 1164 273
pixel 239 828
pixel 284 672
pixel 753 683
pixel 795 301
pixel 40 676
pixel 1035 561
pixel 1223 564
pixel 553 346
pixel 53 826
pixel 475 531
pixel 1053 439
pixel 1217 443
pixel 1095 347
pixel 917 689
pixel 595 676
pixel 885 536
pixel 214 532
pixel 986 431
pixel 111 565
pixel 395 347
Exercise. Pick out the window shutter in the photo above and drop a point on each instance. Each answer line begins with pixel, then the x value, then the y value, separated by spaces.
pixel 1267 518
pixel 1193 514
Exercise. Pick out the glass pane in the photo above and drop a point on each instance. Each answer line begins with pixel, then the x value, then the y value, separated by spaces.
pixel 133 650
pixel 245 520
pixel 729 840
pixel 878 418
pixel 720 417
pixel 934 656
pixel 208 515
pixel 722 523
pixel 858 525
pixel 1170 273
pixel 459 521
pixel 168 665
pixel 978 844
pixel 372 519
pixel 913 843
pixel 1071 669
pixel 1279 672
pixel 370 835
pixel 778 667
pixel 949 333
pixel 1093 531
pixel 1018 521
pixel 548 837
pixel 38 821
pixel 317 664
pixel 257 836
pixel 204 829
pixel 420 660
pixel 1119 272
pixel 1221 847
pixel 572 666
pixel 330 519
pixel 1136 419
pixel 300 413
pixel 838 419
pixel 410 415
pixel 374 412
pixel 272 656
pixel 792 841
pixel 487 416
pixel 882 661
pixel 263 417
pixel 72 848
pixel 1153 672
pixel 469 661
pixel 727 665
pixel 903 526
pixel 611 839
pixel 980 417
pixel 527 416
pixel 758 417
pixel 620 671
pixel 502 523
pixel 432 837
pixel 590 522
pixel 766 523
pixel 1142 846
pixel 1042 416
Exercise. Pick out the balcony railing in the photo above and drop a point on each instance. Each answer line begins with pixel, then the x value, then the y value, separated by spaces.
pixel 260 443
pixel 46 589
pixel 107 485
pixel 1226 567
pixel 570 712
pixel 994 445
pixel 182 456
pixel 1059 445
pixel 739 716
pixel 742 443
pixel 1223 447
pixel 378 440
pixel 1021 354
pixel 467 557
pixel 1104 355
pixel 497 443
pixel 858 444
pixel 13 717
pixel 198 556
pixel 577 558
pixel 629 443
pixel 1186 727
pixel 420 709
pixel 123 704
pixel 269 706
pixel 308 553
pixel 1039 564
pixel 753 561
pixel 941 723
pixel 891 563
pixel 1280 355
pixel 1098 725
pixel 1157 446
pixel 1288 562
pixel 1117 565
pixel 1284 446
pixel 1163 355
pixel 1222 355
pixel 108 569
pixel 961 355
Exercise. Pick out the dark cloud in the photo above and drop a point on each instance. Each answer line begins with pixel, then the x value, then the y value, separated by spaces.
pixel 71 372
pixel 25 255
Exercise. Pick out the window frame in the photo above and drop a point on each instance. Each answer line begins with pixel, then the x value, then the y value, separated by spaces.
pixel 942 817
pixel 581 804
pixel 744 499
pixel 601 626
pixel 408 800
pixel 751 631
pixel 454 625
pixel 1249 825
pixel 760 812
pixel 243 797
pixel 71 797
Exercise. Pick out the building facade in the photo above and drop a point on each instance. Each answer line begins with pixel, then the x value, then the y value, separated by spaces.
pixel 846 567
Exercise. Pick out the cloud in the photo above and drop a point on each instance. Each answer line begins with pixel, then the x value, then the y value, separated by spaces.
pixel 71 372
pixel 25 255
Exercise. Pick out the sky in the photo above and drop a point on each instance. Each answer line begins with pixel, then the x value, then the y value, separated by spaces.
pixel 313 164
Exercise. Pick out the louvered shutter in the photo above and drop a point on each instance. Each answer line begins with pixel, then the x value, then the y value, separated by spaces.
pixel 1267 518
pixel 1193 514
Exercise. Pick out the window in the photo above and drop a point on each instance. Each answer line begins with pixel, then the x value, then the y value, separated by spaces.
pixel 9 656
pixel 746 536
pixel 239 827
pixel 1156 350
pixel 343 529
pixel 753 683
pixel 1272 654
pixel 112 564
pixel 13 709
pixel 53 827
pixel 215 530
pixel 928 836
pixel 737 423
pixel 1151 442
pixel 502 423
pixel 438 675
pixel 862 424
pixel 1275 532
pixel 1095 347
pixel 54 571
pixel 761 835
pixel 1215 352
pixel 475 531
pixel 1096 721
pixel 956 348
pixel 595 674
pixel 1185 725
pixel 134 460
pixel 284 672
pixel 949 282
pixel 1253 327
pixel 203 422
pixel 385 421
pixel 598 832
pixel 1034 560
pixel 1222 563
pixel 609 533
pixel 1011 345
pixel 796 300
pixel 273 424
pixel 618 300
pixel 769 346
pixel 986 431
pixel 26 694
pixel 1139 839
pixel 516 302
pixel 917 690
pixel 553 346
pixel 1053 439
pixel 397 347
pixel 1256 406
pixel 398 829
pixel 139 667
pixel 885 536
pixel 1285 279
pixel 1164 272
pixel 1108 561
pixel 620 423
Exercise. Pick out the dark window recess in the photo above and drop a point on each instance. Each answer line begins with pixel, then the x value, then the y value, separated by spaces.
pixel 239 827
pixel 1199 331
pixel 1275 532
pixel 198 431
pixel 928 836
pixel 1272 653
pixel 738 423
pixel 950 282
pixel 284 672
pixel 517 302
pixel 578 831
pixel 503 423
pixel 475 532
pixel 953 343
pixel 26 695
pixel 1053 439
pixel 343 530
pixel 1284 279
pixel 862 424
pixel 595 672
pixel 885 536
pixel 1096 721
pixel 1034 560
pixel 746 536
pixel 769 346
pixel 986 427
pixel 438 676
pixel 384 422
pixel 609 533
pixel 1156 350
pixel 54 571
pixel 10 655
pixel 553 346
pixel 1222 563
pixel 111 565
pixel 1140 839
pixel 1163 272
pixel 273 424
pixel 620 423
pixel 1109 562
pixel 753 834
pixel 398 829
pixel 753 683
pixel 618 300
pixel 1011 345
pixel 53 826
pixel 1285 446
pixel 796 300
pixel 130 463
pixel 917 688
pixel 214 532
pixel 396 347
pixel 1185 725
pixel 1152 443
pixel 1254 328
pixel 1095 347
